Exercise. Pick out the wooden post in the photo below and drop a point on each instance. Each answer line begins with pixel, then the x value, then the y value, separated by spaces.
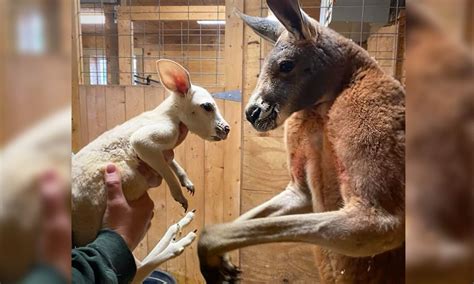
pixel 125 50
pixel 259 184
pixel 111 46
pixel 76 79
pixel 4 39
pixel 234 38
pixel 401 43
pixel 469 29
pixel 172 13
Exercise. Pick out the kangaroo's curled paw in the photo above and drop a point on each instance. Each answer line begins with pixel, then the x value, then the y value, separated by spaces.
pixel 224 272
pixel 216 268
pixel 190 188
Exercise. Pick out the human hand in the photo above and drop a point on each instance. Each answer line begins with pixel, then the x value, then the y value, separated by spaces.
pixel 55 237
pixel 130 219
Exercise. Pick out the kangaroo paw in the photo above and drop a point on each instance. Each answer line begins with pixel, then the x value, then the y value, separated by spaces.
pixel 184 204
pixel 186 219
pixel 188 185
pixel 190 189
pixel 187 240
pixel 177 247
pixel 183 201
pixel 224 272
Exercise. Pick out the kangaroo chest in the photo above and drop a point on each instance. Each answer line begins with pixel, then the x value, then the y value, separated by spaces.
pixel 311 159
pixel 314 166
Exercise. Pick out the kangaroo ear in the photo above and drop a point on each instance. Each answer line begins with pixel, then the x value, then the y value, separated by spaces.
pixel 268 28
pixel 289 13
pixel 173 76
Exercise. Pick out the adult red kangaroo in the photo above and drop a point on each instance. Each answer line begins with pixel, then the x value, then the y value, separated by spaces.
pixel 345 130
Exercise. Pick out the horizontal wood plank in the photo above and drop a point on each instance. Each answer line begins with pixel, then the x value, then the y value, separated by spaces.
pixel 171 13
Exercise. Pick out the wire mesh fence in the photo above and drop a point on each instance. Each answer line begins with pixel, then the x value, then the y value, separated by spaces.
pixel 121 42
pixel 122 39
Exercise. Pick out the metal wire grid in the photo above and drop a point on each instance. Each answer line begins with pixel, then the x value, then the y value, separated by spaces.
pixel 197 47
pixel 201 48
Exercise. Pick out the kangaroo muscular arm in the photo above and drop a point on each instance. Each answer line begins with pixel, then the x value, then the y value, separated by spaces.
pixel 292 200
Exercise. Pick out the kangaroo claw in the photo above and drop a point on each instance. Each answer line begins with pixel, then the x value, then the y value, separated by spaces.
pixel 185 207
pixel 190 189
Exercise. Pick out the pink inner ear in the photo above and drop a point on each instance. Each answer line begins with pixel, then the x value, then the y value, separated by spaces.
pixel 181 83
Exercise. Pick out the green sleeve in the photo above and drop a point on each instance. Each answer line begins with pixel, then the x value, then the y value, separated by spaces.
pixel 44 274
pixel 106 260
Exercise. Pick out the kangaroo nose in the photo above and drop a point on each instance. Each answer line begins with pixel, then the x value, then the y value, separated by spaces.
pixel 253 113
pixel 227 129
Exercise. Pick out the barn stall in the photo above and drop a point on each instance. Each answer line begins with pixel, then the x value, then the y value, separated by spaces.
pixel 117 43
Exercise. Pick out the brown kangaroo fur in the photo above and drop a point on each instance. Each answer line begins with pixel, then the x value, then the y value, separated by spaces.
pixel 345 141
pixel 439 237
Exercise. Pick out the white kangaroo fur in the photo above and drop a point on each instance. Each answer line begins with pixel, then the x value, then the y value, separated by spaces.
pixel 43 147
pixel 142 140
pixel 167 248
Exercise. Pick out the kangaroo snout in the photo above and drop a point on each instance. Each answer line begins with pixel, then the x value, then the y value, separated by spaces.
pixel 263 117
pixel 253 113
pixel 222 132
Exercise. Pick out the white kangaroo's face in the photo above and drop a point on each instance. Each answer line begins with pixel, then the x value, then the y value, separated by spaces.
pixel 199 110
pixel 203 115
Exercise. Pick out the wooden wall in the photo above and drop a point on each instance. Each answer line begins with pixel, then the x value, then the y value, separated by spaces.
pixel 265 174
pixel 207 163
pixel 27 93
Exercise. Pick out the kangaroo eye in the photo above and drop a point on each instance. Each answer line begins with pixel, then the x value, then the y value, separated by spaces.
pixel 208 107
pixel 286 66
